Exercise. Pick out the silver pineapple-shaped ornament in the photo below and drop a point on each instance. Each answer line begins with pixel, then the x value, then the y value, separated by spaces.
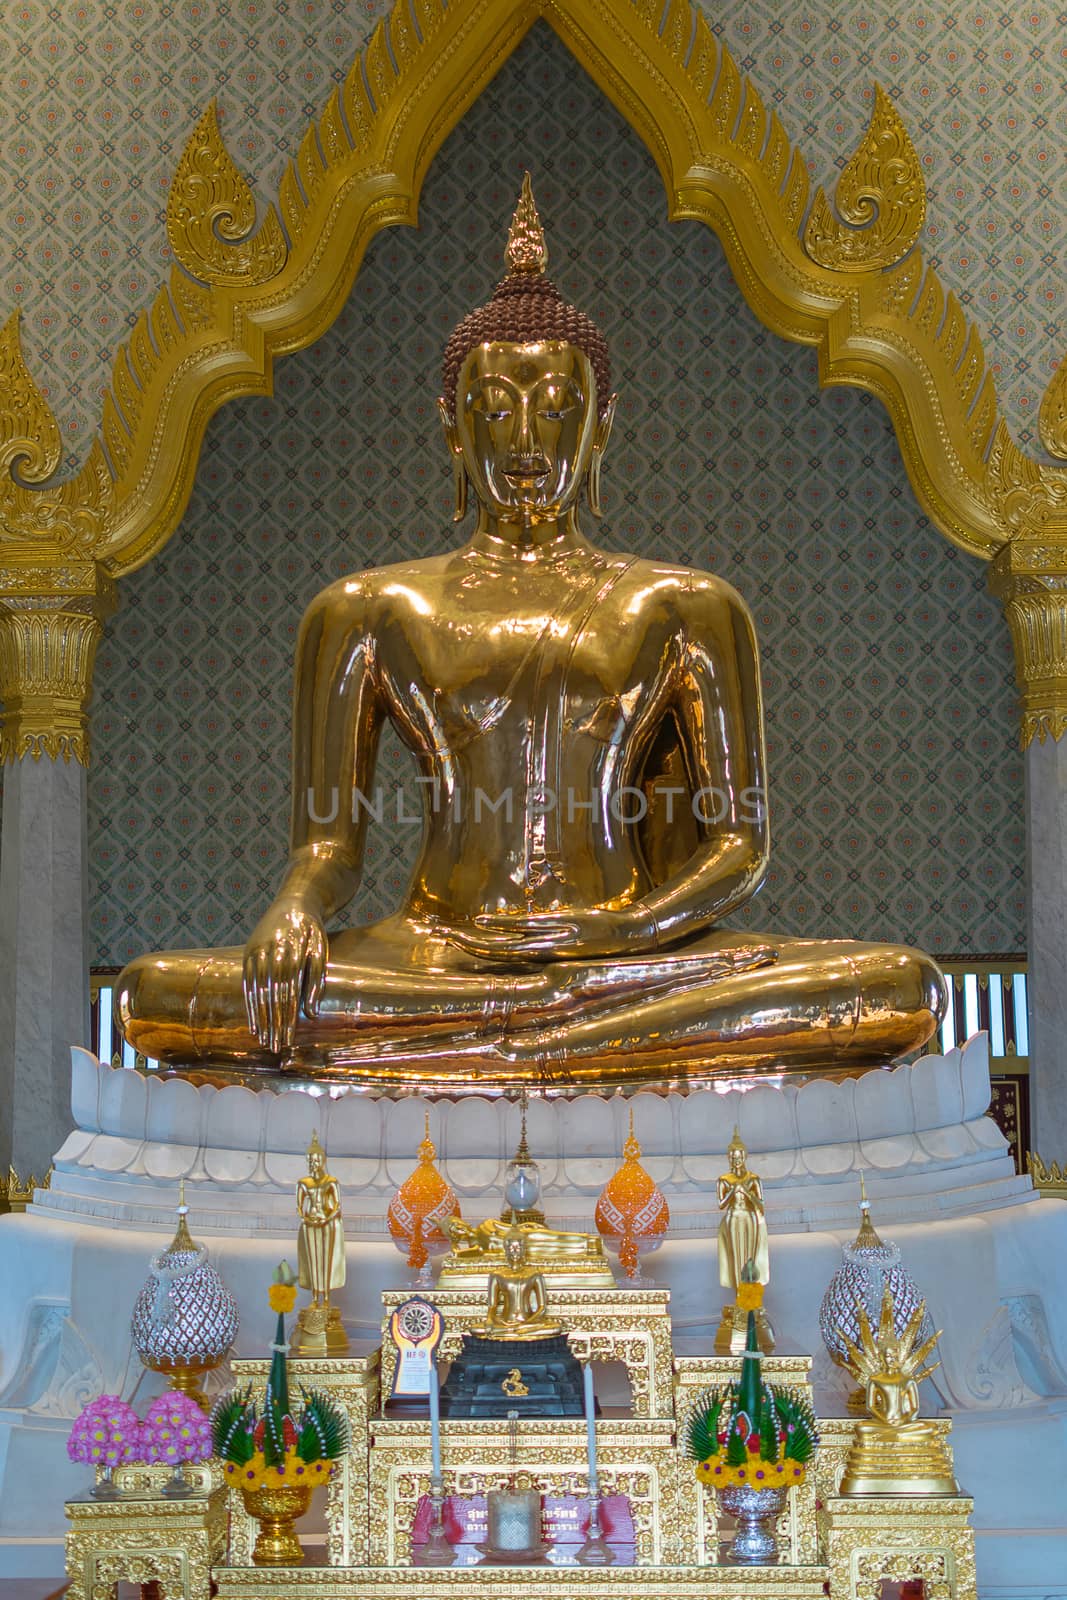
pixel 869 1263
pixel 184 1319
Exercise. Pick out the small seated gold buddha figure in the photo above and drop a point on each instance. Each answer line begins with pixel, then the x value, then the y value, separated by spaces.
pixel 588 732
pixel 518 1302
pixel 894 1452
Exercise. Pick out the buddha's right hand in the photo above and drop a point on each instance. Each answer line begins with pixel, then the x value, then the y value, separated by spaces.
pixel 284 969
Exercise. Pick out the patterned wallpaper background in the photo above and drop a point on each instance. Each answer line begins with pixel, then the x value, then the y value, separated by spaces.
pixel 896 785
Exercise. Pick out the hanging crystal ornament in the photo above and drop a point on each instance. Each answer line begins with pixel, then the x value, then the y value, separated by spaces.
pixel 184 1319
pixel 632 1214
pixel 423 1201
pixel 868 1264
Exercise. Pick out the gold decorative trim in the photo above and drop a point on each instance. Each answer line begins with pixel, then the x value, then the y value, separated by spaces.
pixel 1052 417
pixel 211 212
pixel 16 1195
pixel 880 194
pixel 47 649
pixel 1031 582
pixel 1050 1181
pixel 859 289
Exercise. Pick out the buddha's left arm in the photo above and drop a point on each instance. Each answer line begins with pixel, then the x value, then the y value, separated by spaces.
pixel 718 706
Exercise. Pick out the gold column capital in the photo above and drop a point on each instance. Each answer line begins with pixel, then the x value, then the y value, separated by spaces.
pixel 51 620
pixel 1030 578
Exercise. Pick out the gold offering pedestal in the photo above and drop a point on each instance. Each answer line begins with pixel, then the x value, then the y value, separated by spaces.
pixel 848 1543
pixel 144 1537
pixel 628 1325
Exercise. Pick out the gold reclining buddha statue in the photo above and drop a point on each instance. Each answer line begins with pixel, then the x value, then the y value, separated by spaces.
pixel 587 729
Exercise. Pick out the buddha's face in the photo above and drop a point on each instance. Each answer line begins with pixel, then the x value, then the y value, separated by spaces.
pixel 514 1251
pixel 526 424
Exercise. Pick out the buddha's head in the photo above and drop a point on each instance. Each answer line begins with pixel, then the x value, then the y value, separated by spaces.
pixel 738 1155
pixel 316 1157
pixel 527 404
pixel 514 1247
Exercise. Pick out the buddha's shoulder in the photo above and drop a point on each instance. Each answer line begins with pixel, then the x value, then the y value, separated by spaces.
pixel 364 590
pixel 688 587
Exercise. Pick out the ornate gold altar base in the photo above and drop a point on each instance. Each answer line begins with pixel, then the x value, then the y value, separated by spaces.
pixel 526 1583
pixel 872 1539
pixel 635 1457
pixel 829 1545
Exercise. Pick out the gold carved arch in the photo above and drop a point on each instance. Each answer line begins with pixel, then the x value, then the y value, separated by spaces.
pixel 848 278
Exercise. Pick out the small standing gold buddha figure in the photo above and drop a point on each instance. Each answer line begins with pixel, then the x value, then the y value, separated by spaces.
pixel 320 1258
pixel 744 1254
pixel 894 1452
pixel 518 1301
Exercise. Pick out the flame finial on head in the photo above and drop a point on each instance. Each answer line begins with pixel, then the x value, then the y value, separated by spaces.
pixel 526 250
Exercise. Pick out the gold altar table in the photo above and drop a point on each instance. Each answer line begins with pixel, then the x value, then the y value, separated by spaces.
pixel 874 1539
pixel 635 1457
pixel 628 1325
pixel 143 1537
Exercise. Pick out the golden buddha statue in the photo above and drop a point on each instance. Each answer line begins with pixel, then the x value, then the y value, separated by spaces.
pixel 320 1246
pixel 894 1452
pixel 567 1260
pixel 518 1301
pixel 744 1254
pixel 588 732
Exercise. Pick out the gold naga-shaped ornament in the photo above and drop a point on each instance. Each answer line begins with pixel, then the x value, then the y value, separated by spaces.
pixel 423 1201
pixel 632 1214
pixel 894 1452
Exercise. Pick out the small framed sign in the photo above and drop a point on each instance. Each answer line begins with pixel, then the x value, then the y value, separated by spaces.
pixel 417 1328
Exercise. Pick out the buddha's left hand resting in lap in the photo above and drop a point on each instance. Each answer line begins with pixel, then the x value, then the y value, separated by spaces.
pixel 588 733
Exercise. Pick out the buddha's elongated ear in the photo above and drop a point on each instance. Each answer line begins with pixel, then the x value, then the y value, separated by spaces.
pixel 455 450
pixel 600 444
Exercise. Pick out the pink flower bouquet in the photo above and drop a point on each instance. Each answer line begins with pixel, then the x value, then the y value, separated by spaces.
pixel 175 1430
pixel 107 1433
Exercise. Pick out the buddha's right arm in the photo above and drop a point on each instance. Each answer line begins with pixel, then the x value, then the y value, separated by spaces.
pixel 337 718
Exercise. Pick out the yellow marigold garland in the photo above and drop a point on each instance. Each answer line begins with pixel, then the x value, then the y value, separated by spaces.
pixel 255 1474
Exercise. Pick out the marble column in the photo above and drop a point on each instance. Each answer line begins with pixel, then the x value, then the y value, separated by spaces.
pixel 47 646
pixel 1046 836
pixel 44 962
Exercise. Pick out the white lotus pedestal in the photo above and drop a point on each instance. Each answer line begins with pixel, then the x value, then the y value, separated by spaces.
pixel 986 1251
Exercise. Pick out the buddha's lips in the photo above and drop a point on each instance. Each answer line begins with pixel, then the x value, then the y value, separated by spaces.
pixel 532 472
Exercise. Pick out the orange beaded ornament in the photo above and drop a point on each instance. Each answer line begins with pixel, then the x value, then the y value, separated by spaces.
pixel 423 1201
pixel 632 1213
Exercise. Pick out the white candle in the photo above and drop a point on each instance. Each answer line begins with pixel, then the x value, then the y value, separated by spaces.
pixel 590 1419
pixel 435 1424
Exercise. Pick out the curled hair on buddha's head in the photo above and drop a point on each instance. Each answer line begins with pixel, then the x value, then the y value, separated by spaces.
pixel 526 308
